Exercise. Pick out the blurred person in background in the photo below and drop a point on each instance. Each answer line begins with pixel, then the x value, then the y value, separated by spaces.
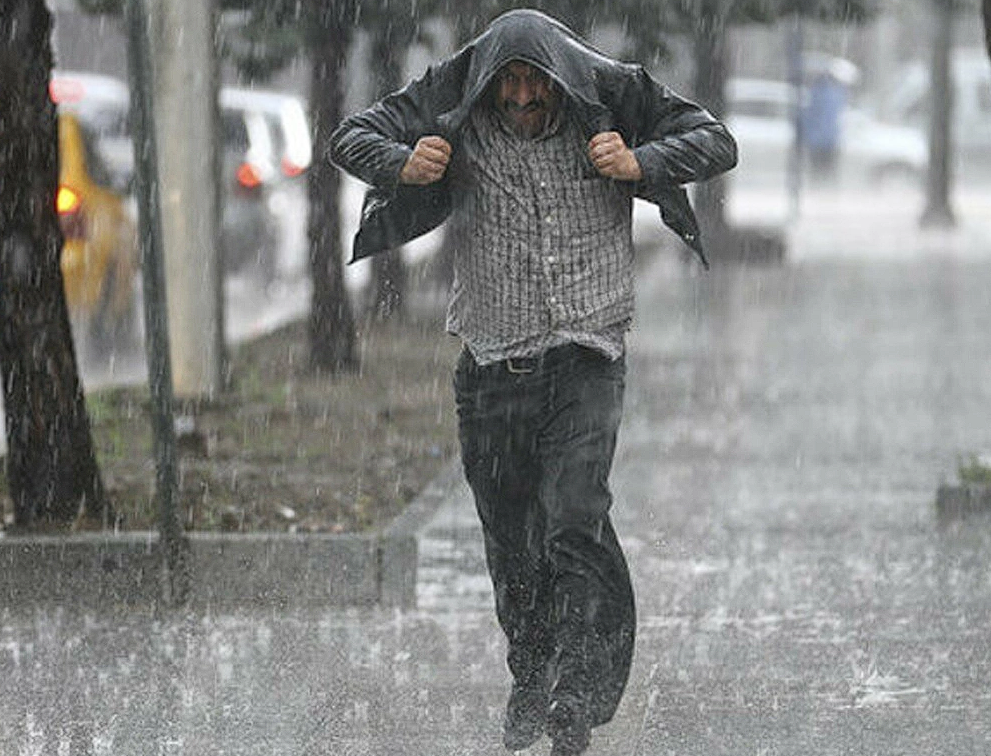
pixel 821 124
pixel 535 145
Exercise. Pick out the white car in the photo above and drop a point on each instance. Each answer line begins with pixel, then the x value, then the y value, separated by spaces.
pixel 761 115
pixel 909 103
pixel 288 140
pixel 278 143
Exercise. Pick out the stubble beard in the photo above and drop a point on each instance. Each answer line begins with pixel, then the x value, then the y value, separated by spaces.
pixel 528 121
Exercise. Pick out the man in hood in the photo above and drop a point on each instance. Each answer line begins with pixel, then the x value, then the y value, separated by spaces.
pixel 534 144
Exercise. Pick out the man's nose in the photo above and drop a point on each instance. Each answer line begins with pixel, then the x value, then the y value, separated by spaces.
pixel 522 93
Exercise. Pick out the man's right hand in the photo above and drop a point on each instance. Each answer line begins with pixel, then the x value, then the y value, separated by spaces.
pixel 428 161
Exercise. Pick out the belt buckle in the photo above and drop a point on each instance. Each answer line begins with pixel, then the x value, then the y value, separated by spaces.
pixel 519 370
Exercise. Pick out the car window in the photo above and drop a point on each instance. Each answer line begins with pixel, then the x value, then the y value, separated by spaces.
pixel 96 168
pixel 276 134
pixel 235 133
pixel 104 121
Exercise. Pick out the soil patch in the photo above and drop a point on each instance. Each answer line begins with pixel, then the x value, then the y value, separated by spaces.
pixel 286 450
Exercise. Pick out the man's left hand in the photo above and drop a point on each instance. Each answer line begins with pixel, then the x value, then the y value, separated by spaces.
pixel 612 158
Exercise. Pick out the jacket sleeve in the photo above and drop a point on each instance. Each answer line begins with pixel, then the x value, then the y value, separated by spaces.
pixel 675 141
pixel 373 145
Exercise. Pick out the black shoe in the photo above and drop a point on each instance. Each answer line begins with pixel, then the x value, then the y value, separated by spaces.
pixel 526 717
pixel 569 729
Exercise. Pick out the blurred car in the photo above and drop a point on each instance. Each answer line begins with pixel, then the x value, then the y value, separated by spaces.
pixel 100 103
pixel 100 252
pixel 250 229
pixel 288 136
pixel 279 142
pixel 760 114
pixel 910 100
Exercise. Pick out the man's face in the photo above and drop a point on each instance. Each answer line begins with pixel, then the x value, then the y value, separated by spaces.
pixel 526 97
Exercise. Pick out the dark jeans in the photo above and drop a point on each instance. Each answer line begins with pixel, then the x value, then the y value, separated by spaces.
pixel 537 448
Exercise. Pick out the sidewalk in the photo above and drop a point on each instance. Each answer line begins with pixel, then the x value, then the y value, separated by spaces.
pixel 785 433
pixel 786 429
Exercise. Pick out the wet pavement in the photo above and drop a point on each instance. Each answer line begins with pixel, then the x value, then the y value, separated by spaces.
pixel 786 430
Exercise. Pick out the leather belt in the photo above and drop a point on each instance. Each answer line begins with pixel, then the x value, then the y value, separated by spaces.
pixel 525 365
pixel 522 365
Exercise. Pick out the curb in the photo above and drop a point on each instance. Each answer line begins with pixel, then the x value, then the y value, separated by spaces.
pixel 255 570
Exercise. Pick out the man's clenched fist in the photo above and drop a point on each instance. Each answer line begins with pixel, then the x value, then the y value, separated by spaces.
pixel 612 158
pixel 428 161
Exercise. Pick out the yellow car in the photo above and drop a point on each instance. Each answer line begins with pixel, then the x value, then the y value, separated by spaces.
pixel 100 253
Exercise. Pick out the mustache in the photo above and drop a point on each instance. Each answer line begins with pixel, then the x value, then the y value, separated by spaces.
pixel 529 107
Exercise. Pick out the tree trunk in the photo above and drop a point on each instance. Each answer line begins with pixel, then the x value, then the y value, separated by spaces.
pixel 939 178
pixel 185 81
pixel 710 91
pixel 986 5
pixel 389 278
pixel 333 342
pixel 52 471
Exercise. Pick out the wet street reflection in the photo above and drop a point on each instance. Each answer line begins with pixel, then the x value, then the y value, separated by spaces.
pixel 786 429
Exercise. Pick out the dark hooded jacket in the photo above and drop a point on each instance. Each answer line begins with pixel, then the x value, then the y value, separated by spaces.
pixel 674 140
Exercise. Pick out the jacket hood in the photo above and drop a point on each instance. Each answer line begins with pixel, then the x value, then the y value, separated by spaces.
pixel 535 38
